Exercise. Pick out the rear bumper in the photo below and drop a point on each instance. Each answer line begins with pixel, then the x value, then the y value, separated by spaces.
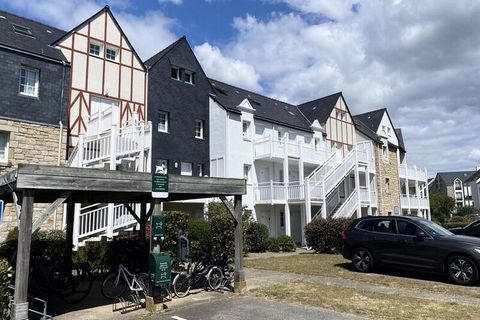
pixel 346 252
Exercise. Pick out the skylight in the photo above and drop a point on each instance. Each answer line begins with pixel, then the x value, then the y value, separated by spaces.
pixel 22 30
pixel 3 17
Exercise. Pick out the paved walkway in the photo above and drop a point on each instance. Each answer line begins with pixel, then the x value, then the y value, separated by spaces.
pixel 257 278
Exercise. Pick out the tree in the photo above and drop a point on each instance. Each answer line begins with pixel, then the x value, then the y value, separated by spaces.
pixel 441 207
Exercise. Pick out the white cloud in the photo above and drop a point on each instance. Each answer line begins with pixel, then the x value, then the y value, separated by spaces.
pixel 475 155
pixel 177 2
pixel 148 32
pixel 333 9
pixel 229 70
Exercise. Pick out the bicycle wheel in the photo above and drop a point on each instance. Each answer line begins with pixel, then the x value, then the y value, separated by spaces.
pixel 215 278
pixel 181 284
pixel 111 289
pixel 77 283
pixel 142 280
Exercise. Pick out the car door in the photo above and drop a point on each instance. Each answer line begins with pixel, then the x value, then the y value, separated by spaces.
pixel 383 241
pixel 416 253
pixel 473 230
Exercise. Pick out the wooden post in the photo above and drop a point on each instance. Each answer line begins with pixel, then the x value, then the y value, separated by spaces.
pixel 70 230
pixel 20 307
pixel 240 284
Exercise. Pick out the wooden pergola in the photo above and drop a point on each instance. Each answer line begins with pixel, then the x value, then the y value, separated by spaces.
pixel 29 184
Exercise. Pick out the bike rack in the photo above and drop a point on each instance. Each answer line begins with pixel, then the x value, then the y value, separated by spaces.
pixel 31 299
pixel 130 303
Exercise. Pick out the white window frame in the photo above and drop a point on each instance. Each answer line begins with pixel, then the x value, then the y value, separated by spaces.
pixel 7 146
pixel 115 50
pixel 199 134
pixel 178 73
pixel 37 80
pixel 247 134
pixel 166 114
pixel 190 74
pixel 100 49
pixel 247 172
pixel 385 152
pixel 184 165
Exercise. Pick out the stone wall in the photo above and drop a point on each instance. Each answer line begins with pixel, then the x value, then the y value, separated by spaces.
pixel 34 144
pixel 387 170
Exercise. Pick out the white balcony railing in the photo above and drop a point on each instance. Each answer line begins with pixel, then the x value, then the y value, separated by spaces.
pixel 364 195
pixel 269 147
pixel 413 202
pixel 279 192
pixel 412 173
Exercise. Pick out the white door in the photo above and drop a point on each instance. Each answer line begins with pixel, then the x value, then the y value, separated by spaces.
pixel 103 113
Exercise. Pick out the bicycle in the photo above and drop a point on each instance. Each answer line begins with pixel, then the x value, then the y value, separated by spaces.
pixel 221 275
pixel 197 273
pixel 115 285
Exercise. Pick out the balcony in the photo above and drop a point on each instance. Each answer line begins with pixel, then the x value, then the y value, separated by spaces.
pixel 268 148
pixel 414 202
pixel 279 192
pixel 412 173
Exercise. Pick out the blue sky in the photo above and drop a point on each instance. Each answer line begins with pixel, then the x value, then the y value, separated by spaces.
pixel 417 58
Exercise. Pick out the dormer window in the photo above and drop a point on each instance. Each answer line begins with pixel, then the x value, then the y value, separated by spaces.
pixel 95 49
pixel 111 54
pixel 188 77
pixel 175 73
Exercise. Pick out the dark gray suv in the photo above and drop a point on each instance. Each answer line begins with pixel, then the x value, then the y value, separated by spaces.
pixel 411 243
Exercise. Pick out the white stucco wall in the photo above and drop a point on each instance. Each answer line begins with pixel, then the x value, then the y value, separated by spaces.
pixel 392 137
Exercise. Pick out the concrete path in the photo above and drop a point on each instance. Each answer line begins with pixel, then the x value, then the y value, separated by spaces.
pixel 241 308
pixel 257 278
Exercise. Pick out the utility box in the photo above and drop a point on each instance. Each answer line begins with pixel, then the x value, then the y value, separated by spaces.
pixel 160 269
pixel 158 227
pixel 183 248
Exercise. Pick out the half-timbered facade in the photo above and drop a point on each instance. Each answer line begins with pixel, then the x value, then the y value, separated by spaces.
pixel 108 79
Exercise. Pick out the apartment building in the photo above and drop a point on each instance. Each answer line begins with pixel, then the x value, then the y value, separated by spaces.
pixel 460 185
pixel 473 189
pixel 33 102
pixel 402 188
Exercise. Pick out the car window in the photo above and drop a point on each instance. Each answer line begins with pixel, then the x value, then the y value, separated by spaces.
pixel 366 225
pixel 406 228
pixel 385 226
pixel 432 228
pixel 475 226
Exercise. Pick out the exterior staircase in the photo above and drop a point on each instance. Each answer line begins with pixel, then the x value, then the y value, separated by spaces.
pixel 127 148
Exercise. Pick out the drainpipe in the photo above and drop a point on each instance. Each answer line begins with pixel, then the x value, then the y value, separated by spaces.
pixel 60 135
pixel 60 140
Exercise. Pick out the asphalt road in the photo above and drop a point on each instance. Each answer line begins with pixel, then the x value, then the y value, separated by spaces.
pixel 241 308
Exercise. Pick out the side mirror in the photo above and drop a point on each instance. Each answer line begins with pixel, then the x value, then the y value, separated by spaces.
pixel 420 236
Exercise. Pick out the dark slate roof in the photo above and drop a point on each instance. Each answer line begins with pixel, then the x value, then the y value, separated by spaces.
pixel 266 108
pixel 449 177
pixel 157 57
pixel 365 129
pixel 371 119
pixel 474 177
pixel 39 43
pixel 401 143
pixel 319 109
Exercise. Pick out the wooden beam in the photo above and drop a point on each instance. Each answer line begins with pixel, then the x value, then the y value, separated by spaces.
pixel 150 211
pixel 20 308
pixel 48 211
pixel 132 212
pixel 239 277
pixel 16 200
pixel 69 234
pixel 229 207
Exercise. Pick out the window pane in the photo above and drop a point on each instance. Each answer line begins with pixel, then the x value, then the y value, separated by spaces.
pixel 385 226
pixel 163 122
pixel 407 228
pixel 111 54
pixel 28 81
pixel 94 49
pixel 186 169
pixel 3 146
pixel 174 73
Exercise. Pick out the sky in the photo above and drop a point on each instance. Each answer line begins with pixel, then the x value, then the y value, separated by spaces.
pixel 419 59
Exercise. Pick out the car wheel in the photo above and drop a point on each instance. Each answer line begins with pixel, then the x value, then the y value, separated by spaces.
pixel 362 260
pixel 462 270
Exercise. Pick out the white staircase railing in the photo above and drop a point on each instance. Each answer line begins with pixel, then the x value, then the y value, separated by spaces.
pixel 347 209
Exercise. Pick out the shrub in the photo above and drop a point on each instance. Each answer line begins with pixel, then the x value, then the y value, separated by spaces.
pixel 6 275
pixel 468 210
pixel 286 243
pixel 273 244
pixel 441 207
pixel 199 233
pixel 257 237
pixel 323 235
pixel 459 222
pixel 176 224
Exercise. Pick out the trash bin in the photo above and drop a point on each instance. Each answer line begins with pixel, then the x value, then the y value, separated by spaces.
pixel 160 268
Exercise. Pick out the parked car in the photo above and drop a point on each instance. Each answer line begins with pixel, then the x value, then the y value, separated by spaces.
pixel 411 243
pixel 473 229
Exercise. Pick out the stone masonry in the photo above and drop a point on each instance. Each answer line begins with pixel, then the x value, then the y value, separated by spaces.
pixel 387 170
pixel 34 144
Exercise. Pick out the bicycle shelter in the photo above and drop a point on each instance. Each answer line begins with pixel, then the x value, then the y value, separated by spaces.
pixel 29 184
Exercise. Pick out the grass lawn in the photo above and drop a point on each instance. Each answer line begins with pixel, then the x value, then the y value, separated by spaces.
pixel 336 266
pixel 374 305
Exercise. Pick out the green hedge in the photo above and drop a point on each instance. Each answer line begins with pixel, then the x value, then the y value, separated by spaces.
pixel 282 243
pixel 323 235
pixel 459 221
pixel 257 237
pixel 6 275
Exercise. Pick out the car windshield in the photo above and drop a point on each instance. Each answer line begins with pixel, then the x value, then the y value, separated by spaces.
pixel 433 228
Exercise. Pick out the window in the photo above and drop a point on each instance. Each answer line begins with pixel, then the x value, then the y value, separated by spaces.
pixel 186 169
pixel 246 172
pixel 29 81
pixel 163 121
pixel 406 228
pixel 279 135
pixel 384 226
pixel 282 219
pixel 188 77
pixel 317 143
pixel 458 184
pixel 175 73
pixel 111 54
pixel 199 129
pixel 246 130
pixel 387 185
pixel 22 30
pixel 3 147
pixel 95 49
pixel 200 170
pixel 385 152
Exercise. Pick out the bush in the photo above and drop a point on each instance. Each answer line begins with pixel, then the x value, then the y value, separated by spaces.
pixel 441 207
pixel 199 233
pixel 273 245
pixel 286 243
pixel 6 275
pixel 176 224
pixel 464 211
pixel 257 237
pixel 459 222
pixel 323 235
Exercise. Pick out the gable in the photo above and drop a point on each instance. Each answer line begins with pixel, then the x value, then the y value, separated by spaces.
pixel 386 129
